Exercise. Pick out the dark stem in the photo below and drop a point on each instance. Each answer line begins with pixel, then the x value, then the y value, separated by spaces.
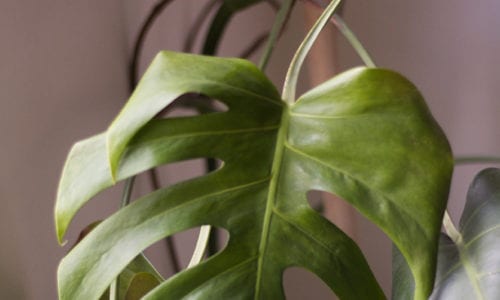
pixel 213 247
pixel 195 28
pixel 139 42
pixel 282 17
pixel 133 67
pixel 127 191
pixel 155 184
pixel 274 4
pixel 254 46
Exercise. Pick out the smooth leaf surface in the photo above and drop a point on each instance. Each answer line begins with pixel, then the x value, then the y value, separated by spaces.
pixel 470 267
pixel 140 285
pixel 403 285
pixel 138 277
pixel 365 135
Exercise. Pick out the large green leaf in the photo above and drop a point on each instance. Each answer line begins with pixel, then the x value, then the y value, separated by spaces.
pixel 365 135
pixel 469 267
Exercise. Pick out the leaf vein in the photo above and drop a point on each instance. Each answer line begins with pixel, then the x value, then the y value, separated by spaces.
pixel 302 230
pixel 406 212
pixel 474 239
pixel 206 133
pixel 246 261
pixel 228 86
pixel 313 116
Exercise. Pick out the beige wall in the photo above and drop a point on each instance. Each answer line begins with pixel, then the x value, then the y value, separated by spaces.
pixel 62 78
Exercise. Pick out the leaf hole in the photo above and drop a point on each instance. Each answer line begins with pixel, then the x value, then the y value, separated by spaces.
pixel 160 256
pixel 300 283
pixel 335 209
pixel 373 242
pixel 184 243
pixel 315 200
pixel 219 240
pixel 192 104
pixel 174 173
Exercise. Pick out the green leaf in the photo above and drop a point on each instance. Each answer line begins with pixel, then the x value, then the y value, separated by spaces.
pixel 140 285
pixel 365 135
pixel 403 285
pixel 469 267
pixel 137 279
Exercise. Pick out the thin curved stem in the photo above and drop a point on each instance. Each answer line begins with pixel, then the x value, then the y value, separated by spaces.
pixel 274 4
pixel 462 160
pixel 174 261
pixel 254 46
pixel 201 246
pixel 451 229
pixel 133 66
pixel 113 290
pixel 196 27
pixel 279 23
pixel 349 35
pixel 353 40
pixel 127 191
pixel 139 42
pixel 292 75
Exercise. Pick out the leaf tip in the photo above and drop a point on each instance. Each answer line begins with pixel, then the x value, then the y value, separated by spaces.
pixel 60 232
pixel 113 157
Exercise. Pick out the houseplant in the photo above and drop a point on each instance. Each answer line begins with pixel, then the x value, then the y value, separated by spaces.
pixel 350 136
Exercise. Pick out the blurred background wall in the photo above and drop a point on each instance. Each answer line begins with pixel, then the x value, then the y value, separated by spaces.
pixel 63 78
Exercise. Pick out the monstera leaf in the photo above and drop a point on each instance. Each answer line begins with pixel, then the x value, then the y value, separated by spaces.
pixel 469 265
pixel 365 135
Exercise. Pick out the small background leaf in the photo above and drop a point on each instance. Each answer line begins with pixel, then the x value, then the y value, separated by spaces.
pixel 140 285
pixel 470 267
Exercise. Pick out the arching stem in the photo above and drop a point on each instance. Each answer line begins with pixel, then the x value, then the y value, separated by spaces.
pixel 292 76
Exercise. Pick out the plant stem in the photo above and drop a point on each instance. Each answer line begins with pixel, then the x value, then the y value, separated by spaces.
pixel 350 36
pixel 133 67
pixel 169 242
pixel 211 235
pixel 113 290
pixel 139 42
pixel 292 75
pixel 195 28
pixel 254 46
pixel 201 246
pixel 279 23
pixel 127 191
pixel 273 4
pixel 450 229
pixel 461 160
pixel 353 40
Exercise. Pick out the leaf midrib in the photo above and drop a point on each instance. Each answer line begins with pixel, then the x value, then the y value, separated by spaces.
pixel 462 249
pixel 470 270
pixel 360 182
pixel 190 81
pixel 271 196
pixel 207 133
